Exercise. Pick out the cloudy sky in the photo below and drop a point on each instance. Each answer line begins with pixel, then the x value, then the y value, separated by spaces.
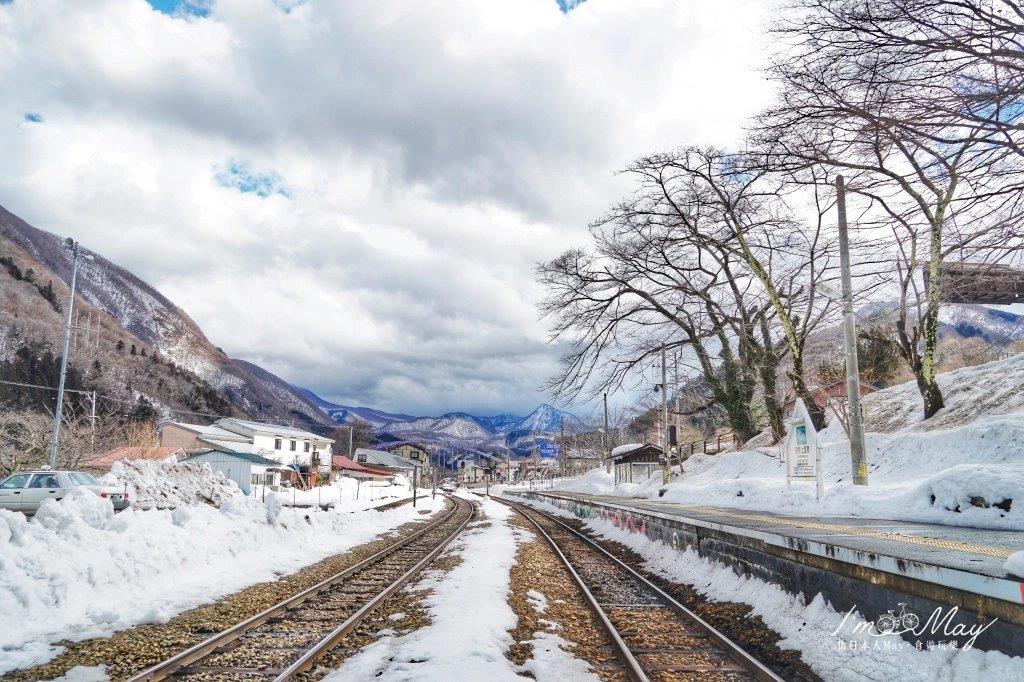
pixel 353 193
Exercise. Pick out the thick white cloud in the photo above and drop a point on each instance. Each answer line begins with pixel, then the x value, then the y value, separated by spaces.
pixel 428 153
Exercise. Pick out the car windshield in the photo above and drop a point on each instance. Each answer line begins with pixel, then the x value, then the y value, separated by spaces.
pixel 82 478
pixel 15 481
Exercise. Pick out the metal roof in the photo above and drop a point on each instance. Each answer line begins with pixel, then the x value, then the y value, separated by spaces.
pixel 210 431
pixel 261 427
pixel 385 459
pixel 245 456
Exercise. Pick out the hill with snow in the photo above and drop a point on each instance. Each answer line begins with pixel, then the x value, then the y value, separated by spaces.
pixel 129 310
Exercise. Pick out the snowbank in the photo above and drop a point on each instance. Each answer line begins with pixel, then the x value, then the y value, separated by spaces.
pixel 343 494
pixel 165 484
pixel 827 642
pixel 78 570
pixel 970 473
pixel 1015 564
pixel 992 389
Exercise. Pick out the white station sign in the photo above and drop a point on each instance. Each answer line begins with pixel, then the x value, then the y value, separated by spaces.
pixel 800 450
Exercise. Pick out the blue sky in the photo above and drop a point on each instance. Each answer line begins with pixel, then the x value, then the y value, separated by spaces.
pixel 196 7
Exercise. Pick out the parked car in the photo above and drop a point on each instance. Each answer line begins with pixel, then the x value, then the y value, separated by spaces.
pixel 448 487
pixel 26 490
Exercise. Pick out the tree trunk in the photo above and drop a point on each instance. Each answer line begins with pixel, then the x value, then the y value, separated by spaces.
pixel 728 389
pixel 814 410
pixel 768 368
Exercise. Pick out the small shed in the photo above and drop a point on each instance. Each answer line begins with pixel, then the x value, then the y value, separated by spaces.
pixel 244 468
pixel 636 462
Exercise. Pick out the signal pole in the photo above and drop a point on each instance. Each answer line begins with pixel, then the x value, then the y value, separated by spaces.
pixel 858 454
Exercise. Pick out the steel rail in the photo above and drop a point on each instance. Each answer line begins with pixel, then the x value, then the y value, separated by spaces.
pixel 633 668
pixel 306 661
pixel 218 641
pixel 757 669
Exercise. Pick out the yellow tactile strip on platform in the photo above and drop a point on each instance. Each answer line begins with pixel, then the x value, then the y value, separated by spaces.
pixel 926 541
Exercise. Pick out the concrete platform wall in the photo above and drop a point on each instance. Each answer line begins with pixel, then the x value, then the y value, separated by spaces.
pixel 844 585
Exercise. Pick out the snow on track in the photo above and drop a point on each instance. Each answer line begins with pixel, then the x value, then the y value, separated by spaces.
pixel 77 570
pixel 470 620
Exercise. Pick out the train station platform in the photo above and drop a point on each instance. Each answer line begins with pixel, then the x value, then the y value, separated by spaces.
pixel 869 563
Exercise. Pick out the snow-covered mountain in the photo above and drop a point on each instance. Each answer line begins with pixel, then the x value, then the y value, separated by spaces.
pixel 137 312
pixel 992 325
pixel 345 414
pixel 546 419
pixel 460 429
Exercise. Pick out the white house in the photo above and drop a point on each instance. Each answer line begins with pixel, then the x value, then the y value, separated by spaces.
pixel 301 451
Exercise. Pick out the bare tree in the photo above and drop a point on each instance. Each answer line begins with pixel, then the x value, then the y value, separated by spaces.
pixel 934 189
pixel 705 256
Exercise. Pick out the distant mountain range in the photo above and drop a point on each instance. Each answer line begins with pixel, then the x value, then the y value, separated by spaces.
pixel 520 435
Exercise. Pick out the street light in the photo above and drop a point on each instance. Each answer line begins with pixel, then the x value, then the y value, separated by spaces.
pixel 72 246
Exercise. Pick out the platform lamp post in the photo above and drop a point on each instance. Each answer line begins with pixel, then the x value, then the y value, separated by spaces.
pixel 72 246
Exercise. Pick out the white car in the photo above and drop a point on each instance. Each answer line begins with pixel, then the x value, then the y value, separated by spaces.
pixel 448 487
pixel 26 490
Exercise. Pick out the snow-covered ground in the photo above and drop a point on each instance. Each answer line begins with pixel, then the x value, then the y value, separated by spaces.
pixel 345 493
pixel 165 484
pixel 78 570
pixel 470 620
pixel 972 451
pixel 826 638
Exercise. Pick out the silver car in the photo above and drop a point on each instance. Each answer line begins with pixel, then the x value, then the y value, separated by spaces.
pixel 26 490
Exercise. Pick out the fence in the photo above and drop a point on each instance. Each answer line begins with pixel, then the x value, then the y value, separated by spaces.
pixel 712 445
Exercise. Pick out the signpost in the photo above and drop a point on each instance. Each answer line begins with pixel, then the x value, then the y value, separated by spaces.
pixel 800 451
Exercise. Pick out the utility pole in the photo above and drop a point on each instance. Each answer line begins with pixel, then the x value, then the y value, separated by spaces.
pixel 57 413
pixel 561 450
pixel 92 421
pixel 858 454
pixel 664 418
pixel 607 436
pixel 350 442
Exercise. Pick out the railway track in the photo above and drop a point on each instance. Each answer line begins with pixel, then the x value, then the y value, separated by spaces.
pixel 288 638
pixel 655 637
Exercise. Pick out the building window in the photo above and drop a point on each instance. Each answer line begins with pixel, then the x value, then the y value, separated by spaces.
pixel 292 446
pixel 277 443
pixel 361 457
pixel 305 446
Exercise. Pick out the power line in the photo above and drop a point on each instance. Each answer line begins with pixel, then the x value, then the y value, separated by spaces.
pixel 109 398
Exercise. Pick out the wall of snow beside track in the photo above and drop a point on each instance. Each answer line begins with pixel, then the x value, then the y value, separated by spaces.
pixel 78 570
pixel 923 471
